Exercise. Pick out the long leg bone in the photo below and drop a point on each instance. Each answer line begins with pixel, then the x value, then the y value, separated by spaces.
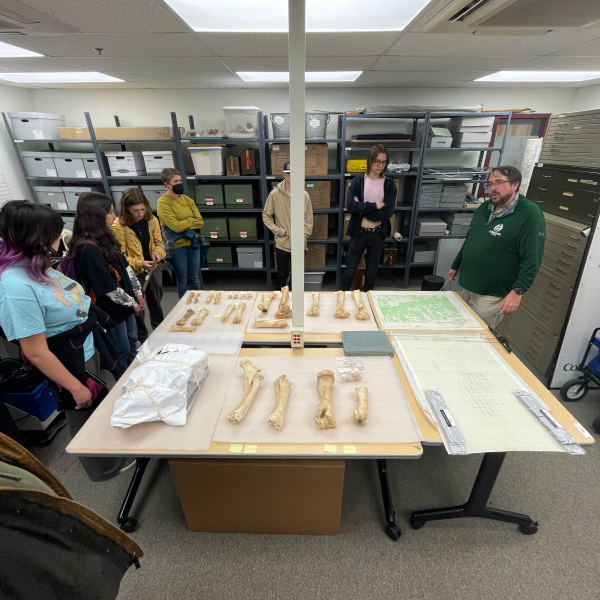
pixel 314 309
pixel 225 317
pixel 190 298
pixel 274 323
pixel 185 317
pixel 238 315
pixel 178 328
pixel 340 313
pixel 360 415
pixel 361 311
pixel 217 298
pixel 324 416
pixel 267 299
pixel 252 383
pixel 198 320
pixel 285 294
pixel 209 298
pixel 282 389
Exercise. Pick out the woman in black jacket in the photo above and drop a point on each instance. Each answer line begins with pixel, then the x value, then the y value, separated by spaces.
pixel 371 200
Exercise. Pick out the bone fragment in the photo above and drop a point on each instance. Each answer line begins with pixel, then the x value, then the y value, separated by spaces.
pixel 243 296
pixel 324 416
pixel 235 297
pixel 285 295
pixel 361 311
pixel 340 312
pixel 284 312
pixel 238 315
pixel 282 389
pixel 253 380
pixel 185 317
pixel 249 296
pixel 198 320
pixel 217 298
pixel 195 299
pixel 273 323
pixel 178 328
pixel 190 298
pixel 314 309
pixel 267 299
pixel 229 310
pixel 209 298
pixel 360 415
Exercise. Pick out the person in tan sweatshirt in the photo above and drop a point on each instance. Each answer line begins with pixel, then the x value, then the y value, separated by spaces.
pixel 277 217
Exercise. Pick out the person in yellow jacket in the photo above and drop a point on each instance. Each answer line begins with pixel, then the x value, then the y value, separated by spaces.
pixel 181 222
pixel 137 231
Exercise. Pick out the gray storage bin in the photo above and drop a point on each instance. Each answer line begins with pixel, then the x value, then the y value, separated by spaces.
pixel 72 194
pixel 90 164
pixel 250 257
pixel 126 163
pixel 54 196
pixel 39 164
pixel 424 252
pixel 153 193
pixel 36 126
pixel 158 160
pixel 430 226
pixel 116 191
pixel 313 282
pixel 69 164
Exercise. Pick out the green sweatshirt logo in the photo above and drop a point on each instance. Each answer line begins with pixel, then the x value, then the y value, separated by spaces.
pixel 497 229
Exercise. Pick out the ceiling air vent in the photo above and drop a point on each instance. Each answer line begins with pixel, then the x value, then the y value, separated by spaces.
pixel 17 18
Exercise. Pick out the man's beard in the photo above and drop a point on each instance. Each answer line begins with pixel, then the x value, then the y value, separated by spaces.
pixel 503 199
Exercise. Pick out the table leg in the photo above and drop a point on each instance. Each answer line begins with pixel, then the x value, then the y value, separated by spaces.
pixel 126 522
pixel 391 529
pixel 477 505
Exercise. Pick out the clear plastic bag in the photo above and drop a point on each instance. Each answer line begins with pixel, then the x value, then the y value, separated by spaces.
pixel 351 369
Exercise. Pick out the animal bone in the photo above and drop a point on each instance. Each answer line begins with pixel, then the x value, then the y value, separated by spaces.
pixel 195 299
pixel 185 317
pixel 238 314
pixel 235 297
pixel 178 328
pixel 285 294
pixel 284 312
pixel 243 296
pixel 217 298
pixel 314 309
pixel 190 298
pixel 253 381
pixel 360 415
pixel 249 296
pixel 209 298
pixel 267 299
pixel 340 312
pixel 225 317
pixel 282 389
pixel 198 320
pixel 324 416
pixel 274 323
pixel 361 311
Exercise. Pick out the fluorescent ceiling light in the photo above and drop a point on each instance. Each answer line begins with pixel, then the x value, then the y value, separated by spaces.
pixel 10 51
pixel 311 76
pixel 260 16
pixel 541 76
pixel 72 77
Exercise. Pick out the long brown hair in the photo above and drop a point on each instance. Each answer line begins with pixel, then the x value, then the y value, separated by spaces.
pixel 374 152
pixel 132 197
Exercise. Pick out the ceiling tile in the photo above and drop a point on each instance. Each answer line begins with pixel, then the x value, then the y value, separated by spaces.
pixel 349 44
pixel 40 65
pixel 313 63
pixel 115 44
pixel 401 77
pixel 587 49
pixel 562 63
pixel 256 63
pixel 175 79
pixel 185 84
pixel 246 44
pixel 450 63
pixel 450 44
pixel 149 64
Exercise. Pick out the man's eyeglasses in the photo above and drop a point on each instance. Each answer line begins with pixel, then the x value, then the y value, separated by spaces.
pixel 380 162
pixel 488 185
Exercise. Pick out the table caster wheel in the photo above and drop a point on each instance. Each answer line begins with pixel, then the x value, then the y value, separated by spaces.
pixel 416 524
pixel 393 532
pixel 129 525
pixel 596 424
pixel 528 529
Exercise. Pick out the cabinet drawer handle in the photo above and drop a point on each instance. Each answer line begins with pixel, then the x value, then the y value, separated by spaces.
pixel 556 287
pixel 551 294
pixel 562 262
pixel 569 194
pixel 591 216
pixel 547 176
pixel 567 254
pixel 557 269
pixel 543 189
pixel 537 335
pixel 563 207
pixel 549 302
pixel 571 246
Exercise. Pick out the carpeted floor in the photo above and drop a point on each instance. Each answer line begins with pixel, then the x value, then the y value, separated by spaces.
pixel 463 559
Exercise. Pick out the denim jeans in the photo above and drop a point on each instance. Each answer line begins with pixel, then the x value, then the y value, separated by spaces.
pixel 186 262
pixel 124 339
pixel 373 242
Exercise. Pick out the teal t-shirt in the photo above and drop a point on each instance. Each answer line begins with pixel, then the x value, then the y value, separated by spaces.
pixel 28 308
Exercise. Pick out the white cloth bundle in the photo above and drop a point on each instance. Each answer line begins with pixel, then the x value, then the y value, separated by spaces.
pixel 160 388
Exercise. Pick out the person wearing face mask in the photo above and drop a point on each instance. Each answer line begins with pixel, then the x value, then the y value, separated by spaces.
pixel 181 220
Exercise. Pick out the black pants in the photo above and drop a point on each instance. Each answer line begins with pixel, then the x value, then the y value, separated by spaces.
pixel 373 242
pixel 153 296
pixel 284 259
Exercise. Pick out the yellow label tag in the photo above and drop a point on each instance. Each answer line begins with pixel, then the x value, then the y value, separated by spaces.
pixel 217 317
pixel 572 180
pixel 250 449
pixel 348 293
pixel 229 294
pixel 237 303
pixel 235 448
pixel 331 449
pixel 349 449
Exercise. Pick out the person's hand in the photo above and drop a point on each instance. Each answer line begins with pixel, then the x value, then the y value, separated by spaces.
pixel 452 273
pixel 156 256
pixel 380 205
pixel 82 397
pixel 140 305
pixel 147 264
pixel 285 233
pixel 356 199
pixel 510 303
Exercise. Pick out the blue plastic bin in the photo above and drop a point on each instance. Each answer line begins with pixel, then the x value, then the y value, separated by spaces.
pixel 40 403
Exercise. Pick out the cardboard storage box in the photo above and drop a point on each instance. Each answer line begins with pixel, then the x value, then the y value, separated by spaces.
pixel 314 258
pixel 153 193
pixel 90 164
pixel 39 164
pixel 35 126
pixel 249 162
pixel 316 156
pixel 72 194
pixel 69 165
pixel 238 195
pixel 250 257
pixel 424 252
pixel 54 196
pixel 430 226
pixel 157 161
pixel 320 227
pixel 320 193
pixel 126 163
pixel 232 166
pixel 242 228
pixel 347 218
pixel 118 133
pixel 439 137
pixel 219 256
pixel 215 228
pixel 210 195
pixel 232 495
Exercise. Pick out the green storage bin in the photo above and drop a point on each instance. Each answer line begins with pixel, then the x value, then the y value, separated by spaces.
pixel 215 228
pixel 242 228
pixel 210 195
pixel 239 195
pixel 220 256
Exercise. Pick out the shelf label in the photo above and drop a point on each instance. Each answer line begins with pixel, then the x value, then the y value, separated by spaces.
pixel 80 173
pixel 349 449
pixel 315 123
pixel 330 449
pixel 214 235
pixel 239 199
pixel 96 173
pixel 210 201
pixel 219 259
pixel 243 234
pixel 236 448
pixel 582 430
pixel 540 164
pixel 310 184
pixel 158 163
pixel 275 148
pixel 38 134
pixel 250 449
pixel 258 264
pixel 51 173
pixel 62 206
pixel 278 120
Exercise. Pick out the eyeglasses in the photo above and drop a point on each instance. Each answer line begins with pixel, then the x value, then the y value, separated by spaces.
pixel 488 185
pixel 380 162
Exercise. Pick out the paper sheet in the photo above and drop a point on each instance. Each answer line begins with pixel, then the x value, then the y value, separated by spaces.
pixel 212 336
pixel 422 310
pixel 478 388
pixel 325 323
pixel 389 420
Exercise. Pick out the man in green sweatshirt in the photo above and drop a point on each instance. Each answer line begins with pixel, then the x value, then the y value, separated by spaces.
pixel 503 249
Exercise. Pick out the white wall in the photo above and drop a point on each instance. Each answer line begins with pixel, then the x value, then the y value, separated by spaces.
pixel 13 99
pixel 587 98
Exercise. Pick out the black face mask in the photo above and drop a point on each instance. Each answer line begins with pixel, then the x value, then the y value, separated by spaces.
pixel 178 188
